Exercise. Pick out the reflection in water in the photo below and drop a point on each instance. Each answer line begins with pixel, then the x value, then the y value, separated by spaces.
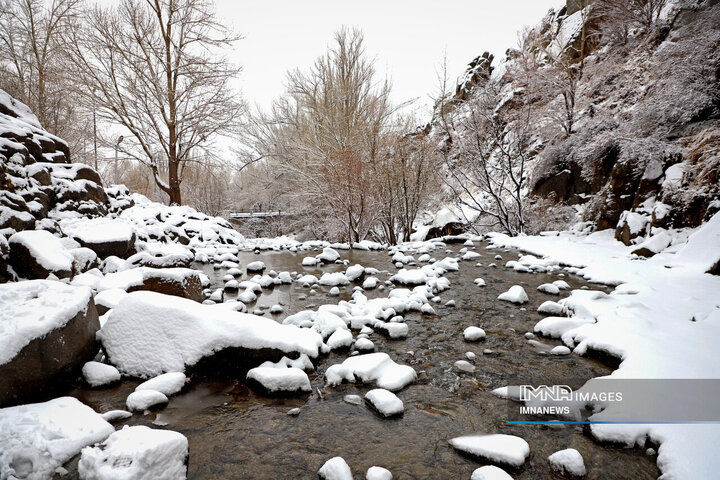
pixel 236 433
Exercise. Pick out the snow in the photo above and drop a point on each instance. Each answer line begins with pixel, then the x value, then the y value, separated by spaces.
pixel 137 453
pixel 144 399
pixel 516 294
pixel 354 272
pixel 549 288
pixel 33 308
pixel 97 374
pixel 385 402
pixel 116 415
pixel 47 249
pixel 498 448
pixel 473 334
pixel 168 383
pixel 376 368
pixel 490 472
pixel 471 256
pixel 568 461
pixel 410 277
pixel 378 473
pixel 560 350
pixel 149 333
pixel 275 379
pixel 38 438
pixel 335 469
pixel 255 266
pixel 647 322
pixel 551 308
pixel 309 261
pixel 479 282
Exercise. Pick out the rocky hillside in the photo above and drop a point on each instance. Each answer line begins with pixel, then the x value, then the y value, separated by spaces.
pixel 642 153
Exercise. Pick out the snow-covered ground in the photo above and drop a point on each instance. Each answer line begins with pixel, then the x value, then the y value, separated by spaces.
pixel 662 320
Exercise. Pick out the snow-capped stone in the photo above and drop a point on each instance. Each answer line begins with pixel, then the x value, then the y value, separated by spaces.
pixel 364 345
pixel 410 277
pixel 309 261
pixel 340 338
pixel 257 266
pixel 378 473
pixel 551 308
pixel 385 402
pixel 370 283
pixel 490 472
pixel 450 303
pixel 560 350
pixel 549 288
pixel 328 255
pixel 471 256
pixel 335 469
pixel 497 448
pixel 136 452
pixel 116 415
pixel 334 279
pixel 470 356
pixel 464 366
pixel 355 272
pixel 394 330
pixel 149 333
pixel 516 294
pixel 473 334
pixel 568 462
pixel 168 383
pixel 353 399
pixel 38 253
pixel 144 399
pixel 334 292
pixel 376 368
pixel 38 438
pixel 276 309
pixel 427 309
pixel 274 379
pixel 97 374
pixel 561 284
pixel 479 282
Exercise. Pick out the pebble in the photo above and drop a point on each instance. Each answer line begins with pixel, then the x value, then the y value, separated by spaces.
pixel 353 399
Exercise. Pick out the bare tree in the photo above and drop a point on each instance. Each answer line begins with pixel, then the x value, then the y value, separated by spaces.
pixel 153 68
pixel 487 159
pixel 616 16
pixel 31 66
pixel 329 132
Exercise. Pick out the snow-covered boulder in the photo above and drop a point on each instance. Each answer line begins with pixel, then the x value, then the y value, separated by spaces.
pixel 335 469
pixel 415 276
pixel 516 294
pixel 355 273
pixel 255 266
pixel 104 236
pixel 549 288
pixel 136 453
pixel 376 368
pixel 38 253
pixel 148 333
pixel 340 339
pixel 36 439
pixel 47 332
pixel 277 380
pixel 497 448
pixel 568 462
pixel 333 279
pixel 180 282
pixel 97 374
pixel 551 308
pixel 385 402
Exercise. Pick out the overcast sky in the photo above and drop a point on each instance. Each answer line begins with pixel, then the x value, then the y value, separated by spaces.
pixel 408 38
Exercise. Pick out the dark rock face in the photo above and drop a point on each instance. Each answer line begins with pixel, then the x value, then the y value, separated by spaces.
pixel 119 248
pixel 46 363
pixel 189 287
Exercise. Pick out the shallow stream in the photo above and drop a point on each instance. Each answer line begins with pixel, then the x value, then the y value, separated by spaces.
pixel 236 433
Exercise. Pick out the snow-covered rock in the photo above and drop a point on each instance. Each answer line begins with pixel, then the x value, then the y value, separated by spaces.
pixel 385 402
pixel 274 379
pixel 137 453
pixel 355 272
pixel 38 253
pixel 335 469
pixel 376 368
pixel 328 255
pixel 257 266
pixel 145 399
pixel 516 294
pixel 473 334
pixel 148 334
pixel 341 338
pixel 568 462
pixel 168 383
pixel 104 236
pixel 551 308
pixel 36 439
pixel 549 288
pixel 97 374
pixel 490 472
pixel 497 448
pixel 55 323
pixel 378 473
pixel 333 279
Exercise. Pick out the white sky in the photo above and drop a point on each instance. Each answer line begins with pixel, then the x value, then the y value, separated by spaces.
pixel 408 38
